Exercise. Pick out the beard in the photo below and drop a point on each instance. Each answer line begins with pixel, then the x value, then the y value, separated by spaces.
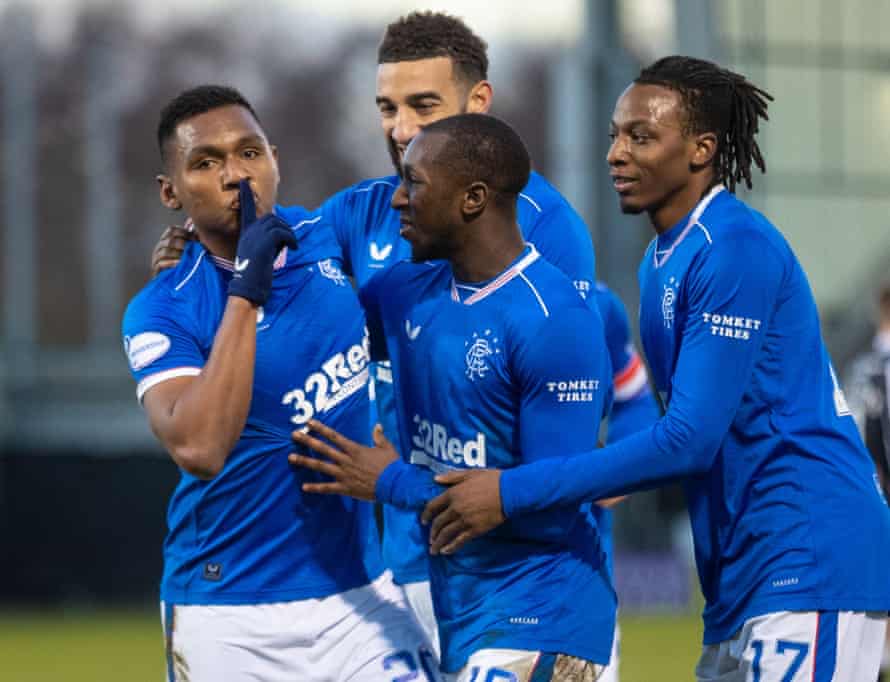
pixel 394 155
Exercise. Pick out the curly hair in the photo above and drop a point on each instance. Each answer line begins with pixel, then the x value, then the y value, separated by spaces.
pixel 721 101
pixel 425 35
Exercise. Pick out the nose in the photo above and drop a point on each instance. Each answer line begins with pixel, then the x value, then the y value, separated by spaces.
pixel 400 197
pixel 405 127
pixel 233 172
pixel 616 154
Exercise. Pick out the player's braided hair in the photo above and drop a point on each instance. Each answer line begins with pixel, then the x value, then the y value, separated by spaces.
pixel 720 101
pixel 425 35
pixel 195 101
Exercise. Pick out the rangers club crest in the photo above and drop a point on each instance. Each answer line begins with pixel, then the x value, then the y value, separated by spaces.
pixel 479 349
pixel 329 269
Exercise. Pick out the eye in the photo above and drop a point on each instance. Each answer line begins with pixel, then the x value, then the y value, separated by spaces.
pixel 202 164
pixel 386 110
pixel 250 154
pixel 639 138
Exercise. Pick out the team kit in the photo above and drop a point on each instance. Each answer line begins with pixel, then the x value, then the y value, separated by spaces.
pixel 386 411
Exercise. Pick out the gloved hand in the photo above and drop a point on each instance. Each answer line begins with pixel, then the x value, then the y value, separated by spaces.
pixel 260 242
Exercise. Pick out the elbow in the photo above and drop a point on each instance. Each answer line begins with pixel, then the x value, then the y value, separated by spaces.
pixel 691 450
pixel 201 462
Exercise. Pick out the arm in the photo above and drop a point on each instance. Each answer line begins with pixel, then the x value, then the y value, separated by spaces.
pixel 711 375
pixel 199 419
pixel 366 473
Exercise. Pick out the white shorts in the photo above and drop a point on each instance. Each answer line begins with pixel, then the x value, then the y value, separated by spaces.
pixel 610 672
pixel 517 665
pixel 420 599
pixel 805 646
pixel 366 634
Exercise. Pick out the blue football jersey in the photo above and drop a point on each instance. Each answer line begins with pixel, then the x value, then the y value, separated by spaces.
pixel 783 498
pixel 367 228
pixel 634 407
pixel 250 535
pixel 494 375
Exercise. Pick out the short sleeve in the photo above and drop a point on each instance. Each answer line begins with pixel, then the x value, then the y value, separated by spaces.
pixel 158 345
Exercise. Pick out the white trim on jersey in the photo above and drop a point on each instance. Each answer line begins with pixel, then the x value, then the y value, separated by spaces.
pixel 693 221
pixel 531 201
pixel 376 182
pixel 191 272
pixel 705 230
pixel 155 379
pixel 537 295
pixel 308 221
pixel 500 280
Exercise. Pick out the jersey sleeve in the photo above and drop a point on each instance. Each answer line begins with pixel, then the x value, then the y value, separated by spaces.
pixel 562 237
pixel 336 212
pixel 369 297
pixel 634 406
pixel 407 486
pixel 158 345
pixel 563 385
pixel 713 369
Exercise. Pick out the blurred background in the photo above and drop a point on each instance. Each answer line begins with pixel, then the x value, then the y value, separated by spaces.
pixel 83 484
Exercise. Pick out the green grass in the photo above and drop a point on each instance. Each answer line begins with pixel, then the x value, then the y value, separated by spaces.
pixel 95 646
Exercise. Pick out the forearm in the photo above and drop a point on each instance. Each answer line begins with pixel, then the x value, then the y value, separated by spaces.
pixel 641 461
pixel 203 424
pixel 406 486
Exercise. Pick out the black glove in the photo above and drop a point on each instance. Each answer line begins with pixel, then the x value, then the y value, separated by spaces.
pixel 260 242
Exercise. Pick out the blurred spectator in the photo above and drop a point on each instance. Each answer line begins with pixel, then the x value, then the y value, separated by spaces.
pixel 868 394
pixel 867 388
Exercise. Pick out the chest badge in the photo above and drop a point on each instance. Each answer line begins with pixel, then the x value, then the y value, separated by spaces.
pixel 331 270
pixel 480 348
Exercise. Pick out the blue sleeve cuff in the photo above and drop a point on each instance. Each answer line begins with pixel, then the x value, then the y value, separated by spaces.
pixel 386 483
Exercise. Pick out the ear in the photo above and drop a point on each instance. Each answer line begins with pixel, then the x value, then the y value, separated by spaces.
pixel 475 200
pixel 705 149
pixel 479 99
pixel 168 193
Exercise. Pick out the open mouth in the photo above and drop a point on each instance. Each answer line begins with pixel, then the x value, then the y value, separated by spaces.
pixel 622 183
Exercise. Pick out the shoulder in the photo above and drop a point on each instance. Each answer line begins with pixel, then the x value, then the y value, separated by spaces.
pixel 367 192
pixel 546 290
pixel 405 277
pixel 174 287
pixel 734 235
pixel 541 196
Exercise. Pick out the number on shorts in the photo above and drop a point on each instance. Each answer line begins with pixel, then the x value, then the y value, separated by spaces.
pixel 782 646
pixel 404 660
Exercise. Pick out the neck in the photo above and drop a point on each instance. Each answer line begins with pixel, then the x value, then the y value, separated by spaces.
pixel 490 250
pixel 680 202
pixel 221 245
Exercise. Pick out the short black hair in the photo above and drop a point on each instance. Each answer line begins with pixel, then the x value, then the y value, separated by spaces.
pixel 720 101
pixel 425 35
pixel 194 101
pixel 482 147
